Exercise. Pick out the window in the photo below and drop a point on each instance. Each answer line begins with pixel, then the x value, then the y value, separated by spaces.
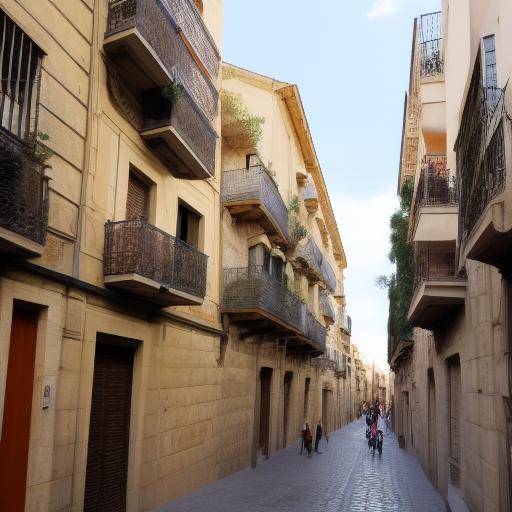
pixel 137 201
pixel 490 72
pixel 20 61
pixel 188 225
pixel 259 256
pixel 277 268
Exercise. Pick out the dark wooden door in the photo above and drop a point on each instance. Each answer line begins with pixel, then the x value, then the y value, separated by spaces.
pixel 14 443
pixel 107 456
pixel 265 383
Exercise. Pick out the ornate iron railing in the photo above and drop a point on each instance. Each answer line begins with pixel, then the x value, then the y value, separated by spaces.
pixel 191 23
pixel 345 322
pixel 23 190
pixel 310 256
pixel 251 288
pixel 433 265
pixel 481 156
pixel 156 22
pixel 187 119
pixel 326 306
pixel 137 247
pixel 431 44
pixel 436 185
pixel 255 184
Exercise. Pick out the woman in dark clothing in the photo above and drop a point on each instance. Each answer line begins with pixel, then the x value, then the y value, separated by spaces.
pixel 309 440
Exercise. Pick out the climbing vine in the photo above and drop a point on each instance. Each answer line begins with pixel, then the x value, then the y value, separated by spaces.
pixel 296 230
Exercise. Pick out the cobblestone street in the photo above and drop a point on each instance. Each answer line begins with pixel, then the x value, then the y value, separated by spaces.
pixel 344 477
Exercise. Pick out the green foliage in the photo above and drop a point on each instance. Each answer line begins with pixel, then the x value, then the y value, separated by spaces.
pixel 251 125
pixel 296 230
pixel 38 149
pixel 172 92
pixel 400 284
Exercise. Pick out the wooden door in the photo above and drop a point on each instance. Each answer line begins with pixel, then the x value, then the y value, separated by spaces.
pixel 107 456
pixel 14 443
pixel 265 384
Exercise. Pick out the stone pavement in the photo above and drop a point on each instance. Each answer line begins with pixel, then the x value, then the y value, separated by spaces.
pixel 345 477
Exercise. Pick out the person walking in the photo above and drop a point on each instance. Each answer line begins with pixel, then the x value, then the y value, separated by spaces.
pixel 303 442
pixel 309 440
pixel 318 435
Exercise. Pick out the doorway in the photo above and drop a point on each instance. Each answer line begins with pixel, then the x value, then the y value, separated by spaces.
pixel 432 431
pixel 107 455
pixel 325 411
pixel 287 386
pixel 454 396
pixel 15 434
pixel 265 392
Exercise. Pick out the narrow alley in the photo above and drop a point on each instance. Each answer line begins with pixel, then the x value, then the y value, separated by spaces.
pixel 344 477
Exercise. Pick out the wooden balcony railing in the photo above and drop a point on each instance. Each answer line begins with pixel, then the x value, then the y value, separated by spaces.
pixel 135 247
pixel 253 289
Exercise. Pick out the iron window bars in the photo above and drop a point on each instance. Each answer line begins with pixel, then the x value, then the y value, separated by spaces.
pixel 137 247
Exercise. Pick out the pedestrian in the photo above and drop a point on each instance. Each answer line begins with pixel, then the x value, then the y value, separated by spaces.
pixel 309 440
pixel 303 438
pixel 318 435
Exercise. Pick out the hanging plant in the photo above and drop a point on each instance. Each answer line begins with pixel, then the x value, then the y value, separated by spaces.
pixel 172 92
pixel 296 230
pixel 249 127
pixel 39 151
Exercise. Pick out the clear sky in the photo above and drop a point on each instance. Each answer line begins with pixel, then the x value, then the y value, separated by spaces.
pixel 350 59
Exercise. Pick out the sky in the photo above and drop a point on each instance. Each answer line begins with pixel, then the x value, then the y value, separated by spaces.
pixel 350 60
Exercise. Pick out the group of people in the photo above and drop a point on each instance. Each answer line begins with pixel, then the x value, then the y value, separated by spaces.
pixel 307 438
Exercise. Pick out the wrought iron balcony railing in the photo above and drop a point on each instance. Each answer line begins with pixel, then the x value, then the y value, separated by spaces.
pixel 254 289
pixel 431 45
pixel 137 247
pixel 254 187
pixel 481 154
pixel 433 265
pixel 23 190
pixel 157 23
pixel 191 23
pixel 313 260
pixel 326 306
pixel 345 322
pixel 192 125
pixel 436 185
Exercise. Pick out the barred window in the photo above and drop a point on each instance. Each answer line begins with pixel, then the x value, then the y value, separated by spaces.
pixel 20 61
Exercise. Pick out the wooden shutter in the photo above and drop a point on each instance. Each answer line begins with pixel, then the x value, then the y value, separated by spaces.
pixel 107 457
pixel 138 199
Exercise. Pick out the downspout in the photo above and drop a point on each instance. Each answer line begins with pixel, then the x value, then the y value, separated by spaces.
pixel 91 112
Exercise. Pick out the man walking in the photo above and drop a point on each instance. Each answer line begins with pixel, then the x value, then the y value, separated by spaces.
pixel 318 436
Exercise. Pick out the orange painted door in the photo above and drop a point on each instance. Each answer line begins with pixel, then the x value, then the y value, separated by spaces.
pixel 14 442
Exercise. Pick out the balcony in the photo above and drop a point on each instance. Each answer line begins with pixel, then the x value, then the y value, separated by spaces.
pixel 484 160
pixel 144 261
pixel 179 134
pixel 251 195
pixel 151 44
pixel 23 199
pixel 310 196
pixel 438 288
pixel 310 260
pixel 435 211
pixel 263 305
pixel 432 85
pixel 327 308
pixel 345 322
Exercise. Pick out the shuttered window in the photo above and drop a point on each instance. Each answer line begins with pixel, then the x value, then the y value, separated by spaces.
pixel 20 64
pixel 137 201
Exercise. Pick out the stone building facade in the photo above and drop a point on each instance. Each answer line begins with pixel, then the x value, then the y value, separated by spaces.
pixel 452 379
pixel 137 380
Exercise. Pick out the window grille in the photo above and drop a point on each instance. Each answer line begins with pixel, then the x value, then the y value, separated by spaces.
pixel 20 60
